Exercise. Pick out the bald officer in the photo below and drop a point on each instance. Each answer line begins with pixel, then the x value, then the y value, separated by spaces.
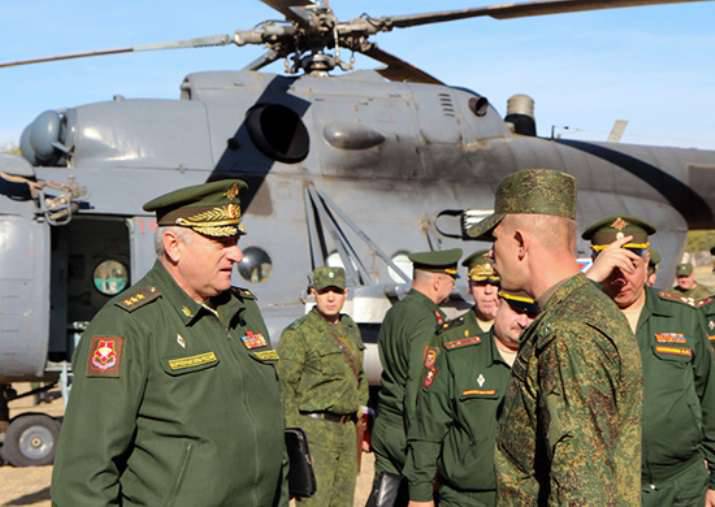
pixel 406 332
pixel 678 368
pixel 175 399
pixel 484 287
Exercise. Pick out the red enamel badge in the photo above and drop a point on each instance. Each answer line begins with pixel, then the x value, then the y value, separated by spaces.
pixel 105 356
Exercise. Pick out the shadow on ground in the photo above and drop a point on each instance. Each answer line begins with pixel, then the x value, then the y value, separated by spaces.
pixel 29 499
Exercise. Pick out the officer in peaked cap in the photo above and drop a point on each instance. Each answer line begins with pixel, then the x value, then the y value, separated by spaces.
pixel 406 331
pixel 465 378
pixel 484 286
pixel 580 345
pixel 175 380
pixel 324 386
pixel 687 286
pixel 678 377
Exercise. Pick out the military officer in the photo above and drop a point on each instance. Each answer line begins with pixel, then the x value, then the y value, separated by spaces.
pixel 324 386
pixel 687 286
pixel 175 399
pixel 456 416
pixel 654 260
pixel 484 287
pixel 678 369
pixel 569 432
pixel 406 332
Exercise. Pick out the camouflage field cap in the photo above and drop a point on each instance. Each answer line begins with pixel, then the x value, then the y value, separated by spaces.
pixel 530 191
pixel 480 267
pixel 326 276
pixel 606 231
pixel 520 301
pixel 654 258
pixel 684 269
pixel 439 261
pixel 211 209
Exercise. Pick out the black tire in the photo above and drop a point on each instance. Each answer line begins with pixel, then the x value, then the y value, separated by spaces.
pixel 30 440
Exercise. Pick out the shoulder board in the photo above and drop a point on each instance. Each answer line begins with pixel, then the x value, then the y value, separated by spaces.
pixel 462 342
pixel 243 293
pixel 669 295
pixel 450 325
pixel 138 298
pixel 704 302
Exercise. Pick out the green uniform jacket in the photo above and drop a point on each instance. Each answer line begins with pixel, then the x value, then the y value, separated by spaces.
pixel 707 306
pixel 315 372
pixel 456 416
pixel 189 412
pixel 404 336
pixel 679 388
pixel 570 431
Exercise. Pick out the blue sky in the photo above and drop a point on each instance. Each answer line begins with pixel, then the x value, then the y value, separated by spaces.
pixel 654 66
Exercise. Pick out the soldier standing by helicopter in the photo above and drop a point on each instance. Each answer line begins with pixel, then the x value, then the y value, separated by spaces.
pixel 176 399
pixel 406 332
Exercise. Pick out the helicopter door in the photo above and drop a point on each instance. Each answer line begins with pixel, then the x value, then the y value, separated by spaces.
pixel 24 284
pixel 90 265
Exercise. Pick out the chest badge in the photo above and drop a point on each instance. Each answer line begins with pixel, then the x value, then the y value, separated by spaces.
pixel 253 340
pixel 181 341
pixel 186 311
pixel 481 380
pixel 438 317
pixel 711 324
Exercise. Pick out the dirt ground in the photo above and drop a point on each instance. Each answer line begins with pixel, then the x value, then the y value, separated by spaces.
pixel 31 486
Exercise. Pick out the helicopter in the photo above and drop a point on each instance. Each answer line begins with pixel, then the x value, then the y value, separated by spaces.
pixel 354 169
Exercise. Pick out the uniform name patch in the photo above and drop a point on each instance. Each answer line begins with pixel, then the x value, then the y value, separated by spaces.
pixel 675 351
pixel 670 338
pixel 267 355
pixel 479 392
pixel 462 342
pixel 191 361
pixel 105 356
pixel 253 340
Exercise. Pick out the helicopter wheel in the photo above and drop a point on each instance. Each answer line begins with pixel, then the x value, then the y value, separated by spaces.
pixel 30 440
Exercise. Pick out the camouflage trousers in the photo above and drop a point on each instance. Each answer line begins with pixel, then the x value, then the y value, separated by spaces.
pixel 686 489
pixel 333 451
pixel 450 497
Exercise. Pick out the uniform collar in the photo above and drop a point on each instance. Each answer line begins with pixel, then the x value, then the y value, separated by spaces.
pixel 561 290
pixel 655 305
pixel 417 295
pixel 314 316
pixel 494 351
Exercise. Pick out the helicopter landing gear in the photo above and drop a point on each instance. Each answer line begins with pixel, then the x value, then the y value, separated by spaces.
pixel 30 440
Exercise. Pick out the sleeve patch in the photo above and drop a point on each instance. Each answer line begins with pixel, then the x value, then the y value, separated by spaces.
pixel 105 356
pixel 462 342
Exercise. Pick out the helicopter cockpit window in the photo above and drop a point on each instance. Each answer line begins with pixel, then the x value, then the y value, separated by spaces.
pixel 110 277
pixel 278 132
pixel 256 265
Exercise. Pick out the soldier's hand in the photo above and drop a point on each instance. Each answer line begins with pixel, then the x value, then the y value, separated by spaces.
pixel 710 498
pixel 612 257
pixel 414 503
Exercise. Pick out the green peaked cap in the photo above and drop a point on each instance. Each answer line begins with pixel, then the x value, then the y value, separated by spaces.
pixel 606 231
pixel 439 261
pixel 211 209
pixel 480 267
pixel 326 276
pixel 684 269
pixel 520 300
pixel 530 191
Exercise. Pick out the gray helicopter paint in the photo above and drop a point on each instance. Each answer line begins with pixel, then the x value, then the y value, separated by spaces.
pixel 436 155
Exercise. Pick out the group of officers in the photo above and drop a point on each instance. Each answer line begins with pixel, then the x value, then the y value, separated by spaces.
pixel 556 388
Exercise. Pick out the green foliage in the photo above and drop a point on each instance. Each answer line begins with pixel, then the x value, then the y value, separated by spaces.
pixel 700 241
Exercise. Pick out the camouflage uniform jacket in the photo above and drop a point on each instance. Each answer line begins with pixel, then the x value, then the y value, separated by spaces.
pixel 173 403
pixel 405 334
pixel 679 388
pixel 456 416
pixel 570 430
pixel 321 367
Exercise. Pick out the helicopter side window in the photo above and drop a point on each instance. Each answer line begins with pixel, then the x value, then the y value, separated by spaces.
pixel 256 265
pixel 110 277
pixel 278 132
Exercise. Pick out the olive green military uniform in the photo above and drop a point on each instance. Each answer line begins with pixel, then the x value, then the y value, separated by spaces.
pixel 175 402
pixel 707 306
pixel 456 416
pixel 324 386
pixel 189 414
pixel 569 432
pixel 679 402
pixel 696 293
pixel 570 428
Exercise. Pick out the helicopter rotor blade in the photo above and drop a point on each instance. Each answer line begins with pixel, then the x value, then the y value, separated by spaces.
pixel 266 58
pixel 198 42
pixel 284 7
pixel 517 10
pixel 397 69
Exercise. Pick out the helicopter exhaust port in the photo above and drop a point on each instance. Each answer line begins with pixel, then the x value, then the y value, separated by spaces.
pixel 278 132
pixel 520 113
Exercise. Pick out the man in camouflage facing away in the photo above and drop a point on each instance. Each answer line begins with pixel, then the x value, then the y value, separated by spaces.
pixel 325 388
pixel 569 432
